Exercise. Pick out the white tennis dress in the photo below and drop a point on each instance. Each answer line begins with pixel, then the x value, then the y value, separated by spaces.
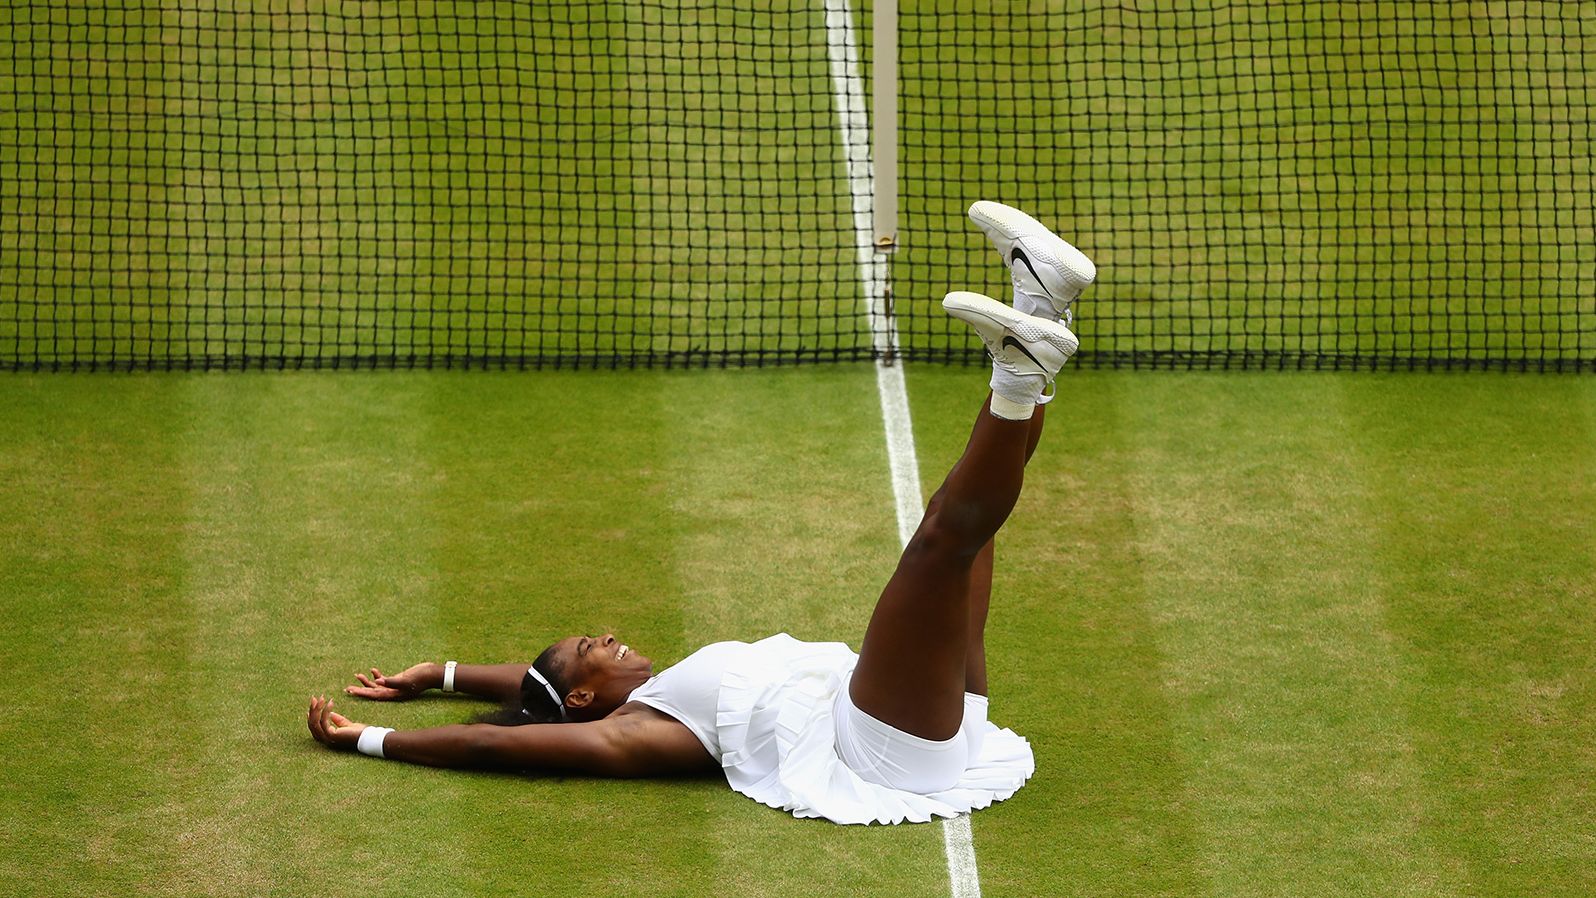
pixel 766 711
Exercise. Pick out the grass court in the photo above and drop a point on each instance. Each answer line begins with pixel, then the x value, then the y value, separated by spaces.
pixel 1267 633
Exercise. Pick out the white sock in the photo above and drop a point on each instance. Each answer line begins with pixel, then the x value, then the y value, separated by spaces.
pixel 1010 410
pixel 1014 395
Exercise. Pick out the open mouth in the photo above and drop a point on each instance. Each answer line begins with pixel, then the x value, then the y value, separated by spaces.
pixel 621 652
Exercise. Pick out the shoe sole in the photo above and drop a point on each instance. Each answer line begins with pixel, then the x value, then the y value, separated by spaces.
pixel 1014 224
pixel 1027 327
pixel 1011 222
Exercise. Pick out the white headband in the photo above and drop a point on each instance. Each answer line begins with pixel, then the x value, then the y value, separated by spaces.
pixel 533 673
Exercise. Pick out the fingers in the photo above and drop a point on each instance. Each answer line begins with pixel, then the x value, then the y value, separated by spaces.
pixel 374 687
pixel 331 728
pixel 372 682
pixel 378 678
pixel 323 722
pixel 313 720
pixel 367 688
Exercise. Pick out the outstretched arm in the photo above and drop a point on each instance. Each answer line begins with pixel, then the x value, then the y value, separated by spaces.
pixel 637 742
pixel 500 682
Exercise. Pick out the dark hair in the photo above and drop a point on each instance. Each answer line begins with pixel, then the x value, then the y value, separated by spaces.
pixel 535 704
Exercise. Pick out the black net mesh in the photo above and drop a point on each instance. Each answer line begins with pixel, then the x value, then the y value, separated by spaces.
pixel 1269 184
pixel 232 183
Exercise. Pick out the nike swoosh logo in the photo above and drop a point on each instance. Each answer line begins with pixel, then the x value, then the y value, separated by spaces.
pixel 1010 341
pixel 1019 256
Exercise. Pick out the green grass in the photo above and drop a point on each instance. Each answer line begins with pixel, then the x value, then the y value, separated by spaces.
pixel 464 180
pixel 1267 633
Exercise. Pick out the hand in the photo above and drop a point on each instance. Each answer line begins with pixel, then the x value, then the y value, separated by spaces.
pixel 330 728
pixel 396 688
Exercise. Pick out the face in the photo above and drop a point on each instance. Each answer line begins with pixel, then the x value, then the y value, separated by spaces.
pixel 601 672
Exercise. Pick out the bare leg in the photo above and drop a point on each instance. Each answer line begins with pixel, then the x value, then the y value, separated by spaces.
pixel 912 665
pixel 981 588
pixel 980 598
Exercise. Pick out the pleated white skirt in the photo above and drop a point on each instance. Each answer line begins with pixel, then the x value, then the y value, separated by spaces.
pixel 778 743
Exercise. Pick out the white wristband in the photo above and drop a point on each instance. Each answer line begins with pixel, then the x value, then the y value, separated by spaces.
pixel 371 739
pixel 448 675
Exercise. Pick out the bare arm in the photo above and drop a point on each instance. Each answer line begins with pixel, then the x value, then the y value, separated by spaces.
pixel 635 741
pixel 500 682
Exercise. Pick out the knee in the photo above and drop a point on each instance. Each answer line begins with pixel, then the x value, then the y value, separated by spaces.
pixel 946 535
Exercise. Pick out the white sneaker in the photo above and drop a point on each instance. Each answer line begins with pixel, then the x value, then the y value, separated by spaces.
pixel 1020 344
pixel 1047 272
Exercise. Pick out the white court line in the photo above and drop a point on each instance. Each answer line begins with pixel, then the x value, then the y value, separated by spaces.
pixel 853 121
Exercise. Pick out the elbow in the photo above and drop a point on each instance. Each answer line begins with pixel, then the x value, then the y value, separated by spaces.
pixel 504 748
pixel 486 746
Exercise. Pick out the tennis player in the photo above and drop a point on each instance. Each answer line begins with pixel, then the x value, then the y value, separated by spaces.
pixel 895 733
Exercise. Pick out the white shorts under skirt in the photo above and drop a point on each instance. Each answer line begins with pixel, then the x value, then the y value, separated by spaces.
pixel 887 756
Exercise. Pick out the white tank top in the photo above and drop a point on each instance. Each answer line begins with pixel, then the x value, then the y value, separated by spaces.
pixel 690 691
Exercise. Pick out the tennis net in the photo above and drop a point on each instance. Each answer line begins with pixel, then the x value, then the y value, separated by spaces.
pixel 486 183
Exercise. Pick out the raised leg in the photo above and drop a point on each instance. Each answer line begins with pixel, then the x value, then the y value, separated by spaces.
pixel 975 636
pixel 912 666
pixel 981 589
pixel 1048 276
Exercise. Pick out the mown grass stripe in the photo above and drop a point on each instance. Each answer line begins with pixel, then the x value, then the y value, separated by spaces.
pixel 91 582
pixel 1292 698
pixel 1074 658
pixel 785 524
pixel 1482 498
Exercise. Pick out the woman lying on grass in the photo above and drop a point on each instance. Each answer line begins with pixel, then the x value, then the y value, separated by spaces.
pixel 896 733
